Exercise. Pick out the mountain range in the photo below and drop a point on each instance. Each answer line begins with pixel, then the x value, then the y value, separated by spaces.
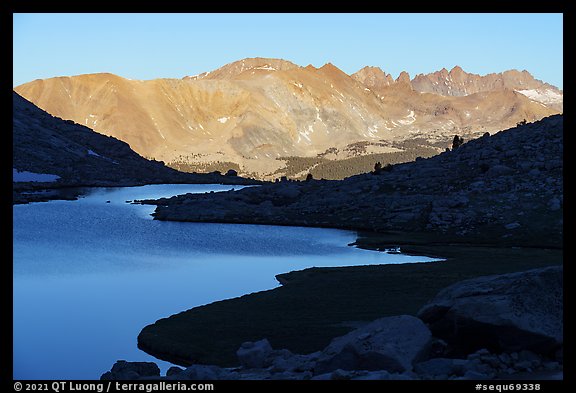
pixel 270 117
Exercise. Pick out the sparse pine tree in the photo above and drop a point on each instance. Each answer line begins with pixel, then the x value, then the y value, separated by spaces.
pixel 457 142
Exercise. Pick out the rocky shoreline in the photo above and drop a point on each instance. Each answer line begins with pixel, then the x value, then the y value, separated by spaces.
pixel 27 192
pixel 495 204
pixel 489 328
pixel 502 189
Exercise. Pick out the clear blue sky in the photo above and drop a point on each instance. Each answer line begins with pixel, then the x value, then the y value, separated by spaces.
pixel 148 46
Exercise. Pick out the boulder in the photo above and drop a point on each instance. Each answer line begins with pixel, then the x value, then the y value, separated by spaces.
pixel 286 375
pixel 172 371
pixel 201 372
pixel 254 354
pixel 476 376
pixel 392 344
pixel 508 312
pixel 374 375
pixel 285 361
pixel 440 368
pixel 123 370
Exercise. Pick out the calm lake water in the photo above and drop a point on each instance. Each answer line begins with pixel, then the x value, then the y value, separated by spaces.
pixel 89 275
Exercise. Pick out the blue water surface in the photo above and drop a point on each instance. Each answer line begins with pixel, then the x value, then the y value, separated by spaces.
pixel 90 274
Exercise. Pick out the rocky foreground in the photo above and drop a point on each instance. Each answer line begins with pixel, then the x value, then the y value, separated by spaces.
pixel 494 327
pixel 499 189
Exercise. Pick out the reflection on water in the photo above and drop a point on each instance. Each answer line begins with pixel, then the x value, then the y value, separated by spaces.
pixel 90 274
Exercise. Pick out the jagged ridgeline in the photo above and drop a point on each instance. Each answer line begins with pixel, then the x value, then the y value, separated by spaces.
pixel 250 114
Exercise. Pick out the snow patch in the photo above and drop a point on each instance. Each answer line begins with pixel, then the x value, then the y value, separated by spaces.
pixel 200 76
pixel 200 125
pixel 372 131
pixel 545 96
pixel 23 176
pixel 358 112
pixel 305 134
pixel 297 84
pixel 266 67
pixel 93 153
pixel 223 119
pixel 408 119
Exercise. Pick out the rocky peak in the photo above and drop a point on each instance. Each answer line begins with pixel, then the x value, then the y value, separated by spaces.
pixel 404 77
pixel 515 79
pixel 457 71
pixel 443 72
pixel 373 77
pixel 456 68
pixel 329 67
pixel 331 71
pixel 237 68
pixel 458 82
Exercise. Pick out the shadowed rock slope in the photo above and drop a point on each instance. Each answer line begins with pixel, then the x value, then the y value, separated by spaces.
pixel 74 155
pixel 505 189
pixel 465 205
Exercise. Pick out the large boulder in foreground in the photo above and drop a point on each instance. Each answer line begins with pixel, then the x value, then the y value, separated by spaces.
pixel 254 354
pixel 392 344
pixel 508 312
